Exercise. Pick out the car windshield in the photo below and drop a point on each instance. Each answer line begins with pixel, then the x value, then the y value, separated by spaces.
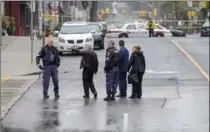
pixel 104 26
pixel 120 26
pixel 77 29
pixel 95 27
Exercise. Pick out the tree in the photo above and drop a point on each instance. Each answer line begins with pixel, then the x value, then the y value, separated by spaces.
pixel 177 8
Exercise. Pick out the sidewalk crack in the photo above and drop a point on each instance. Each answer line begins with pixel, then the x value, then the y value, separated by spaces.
pixel 164 103
pixel 177 88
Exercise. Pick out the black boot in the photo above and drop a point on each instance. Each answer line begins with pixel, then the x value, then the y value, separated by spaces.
pixel 138 96
pixel 108 98
pixel 132 96
pixel 86 96
pixel 57 96
pixel 46 96
pixel 95 95
pixel 113 96
pixel 119 95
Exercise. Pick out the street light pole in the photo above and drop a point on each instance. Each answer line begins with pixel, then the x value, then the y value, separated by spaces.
pixel 0 26
pixel 32 34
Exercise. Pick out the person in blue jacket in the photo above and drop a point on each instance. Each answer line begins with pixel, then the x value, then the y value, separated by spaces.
pixel 123 66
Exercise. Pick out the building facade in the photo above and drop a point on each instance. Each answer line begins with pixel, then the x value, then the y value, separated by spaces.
pixel 21 12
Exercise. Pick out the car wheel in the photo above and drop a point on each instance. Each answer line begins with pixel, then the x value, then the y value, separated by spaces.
pixel 102 44
pixel 124 35
pixel 60 53
pixel 159 35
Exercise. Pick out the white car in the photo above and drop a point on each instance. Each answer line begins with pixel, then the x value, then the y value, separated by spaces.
pixel 74 35
pixel 135 30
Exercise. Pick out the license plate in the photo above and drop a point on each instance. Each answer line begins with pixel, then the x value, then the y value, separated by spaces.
pixel 74 47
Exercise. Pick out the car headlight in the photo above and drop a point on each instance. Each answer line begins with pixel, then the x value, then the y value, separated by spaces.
pixel 88 40
pixel 61 40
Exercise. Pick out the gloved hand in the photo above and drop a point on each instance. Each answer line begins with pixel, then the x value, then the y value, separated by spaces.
pixel 40 67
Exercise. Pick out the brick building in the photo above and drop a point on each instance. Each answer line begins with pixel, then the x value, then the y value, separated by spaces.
pixel 20 10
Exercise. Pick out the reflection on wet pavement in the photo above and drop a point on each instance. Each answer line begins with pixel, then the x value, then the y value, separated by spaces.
pixel 179 104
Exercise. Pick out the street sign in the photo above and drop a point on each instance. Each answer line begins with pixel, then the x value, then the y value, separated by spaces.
pixel 48 17
pixel 107 10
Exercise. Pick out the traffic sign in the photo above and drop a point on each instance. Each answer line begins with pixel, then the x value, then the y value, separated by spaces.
pixel 48 18
pixel 107 10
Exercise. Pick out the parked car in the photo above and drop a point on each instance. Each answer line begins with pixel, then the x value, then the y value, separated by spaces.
pixel 4 32
pixel 104 27
pixel 97 34
pixel 205 30
pixel 55 33
pixel 74 35
pixel 177 33
pixel 135 30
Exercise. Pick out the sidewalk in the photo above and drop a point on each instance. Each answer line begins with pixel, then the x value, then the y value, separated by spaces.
pixel 15 62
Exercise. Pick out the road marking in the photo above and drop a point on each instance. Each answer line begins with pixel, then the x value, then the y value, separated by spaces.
pixel 192 60
pixel 125 122
pixel 5 78
pixel 161 72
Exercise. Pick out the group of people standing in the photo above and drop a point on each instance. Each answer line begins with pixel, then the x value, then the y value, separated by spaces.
pixel 117 65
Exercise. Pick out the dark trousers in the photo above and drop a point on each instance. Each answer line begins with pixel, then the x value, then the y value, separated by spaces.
pixel 123 83
pixel 112 80
pixel 151 32
pixel 50 70
pixel 137 87
pixel 88 83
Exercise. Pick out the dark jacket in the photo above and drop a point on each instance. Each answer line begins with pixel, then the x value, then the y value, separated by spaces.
pixel 137 62
pixel 110 59
pixel 124 57
pixel 46 53
pixel 89 60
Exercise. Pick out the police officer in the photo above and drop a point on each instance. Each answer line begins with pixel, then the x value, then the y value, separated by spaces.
pixel 51 62
pixel 111 70
pixel 123 66
pixel 151 26
pixel 89 64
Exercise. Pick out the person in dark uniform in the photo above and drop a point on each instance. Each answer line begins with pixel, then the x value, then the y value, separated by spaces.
pixel 51 62
pixel 123 66
pixel 111 69
pixel 137 65
pixel 89 64
pixel 151 26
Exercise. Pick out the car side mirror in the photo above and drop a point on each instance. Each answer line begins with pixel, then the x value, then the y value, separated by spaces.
pixel 93 31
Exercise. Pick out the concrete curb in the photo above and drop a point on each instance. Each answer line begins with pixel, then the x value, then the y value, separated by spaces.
pixel 17 98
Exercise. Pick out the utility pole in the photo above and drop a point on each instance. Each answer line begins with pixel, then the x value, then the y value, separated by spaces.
pixel 0 26
pixel 93 11
pixel 40 17
pixel 41 3
pixel 32 34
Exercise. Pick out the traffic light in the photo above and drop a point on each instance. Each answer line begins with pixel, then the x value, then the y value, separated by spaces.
pixel 142 12
pixel 85 4
pixel 155 11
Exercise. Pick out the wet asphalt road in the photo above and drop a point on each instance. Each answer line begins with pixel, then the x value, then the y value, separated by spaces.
pixel 175 96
